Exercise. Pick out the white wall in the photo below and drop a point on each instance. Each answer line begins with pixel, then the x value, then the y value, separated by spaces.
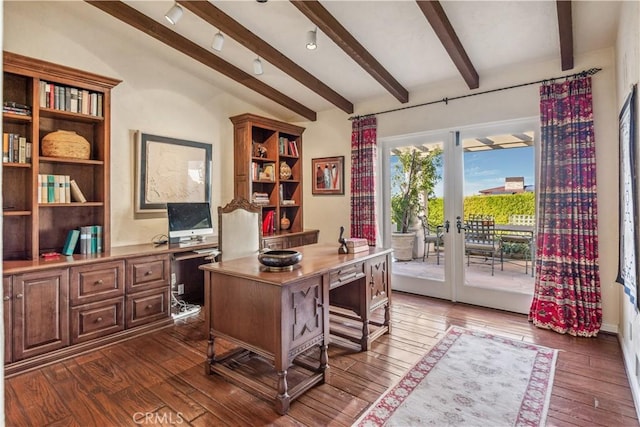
pixel 331 136
pixel 156 96
pixel 167 98
pixel 628 73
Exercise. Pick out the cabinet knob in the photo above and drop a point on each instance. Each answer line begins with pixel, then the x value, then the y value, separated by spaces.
pixel 98 282
pixel 19 296
pixel 150 306
pixel 148 273
pixel 99 319
pixel 6 298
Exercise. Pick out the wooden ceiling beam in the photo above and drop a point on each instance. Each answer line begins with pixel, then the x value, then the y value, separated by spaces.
pixel 223 22
pixel 565 28
pixel 438 20
pixel 329 25
pixel 158 31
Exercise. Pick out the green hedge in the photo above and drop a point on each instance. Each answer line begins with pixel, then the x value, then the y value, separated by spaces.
pixel 500 206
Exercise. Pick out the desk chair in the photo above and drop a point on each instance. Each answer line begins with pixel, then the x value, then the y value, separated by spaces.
pixel 524 238
pixel 239 229
pixel 480 238
pixel 432 235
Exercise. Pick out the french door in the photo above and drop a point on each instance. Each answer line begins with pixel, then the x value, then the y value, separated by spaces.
pixel 439 268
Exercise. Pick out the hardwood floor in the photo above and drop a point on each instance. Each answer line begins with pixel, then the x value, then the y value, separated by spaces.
pixel 158 379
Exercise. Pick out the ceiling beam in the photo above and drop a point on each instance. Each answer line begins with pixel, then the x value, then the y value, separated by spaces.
pixel 223 22
pixel 329 25
pixel 565 28
pixel 158 31
pixel 438 20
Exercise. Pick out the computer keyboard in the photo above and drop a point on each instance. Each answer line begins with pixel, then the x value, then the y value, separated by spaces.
pixel 208 251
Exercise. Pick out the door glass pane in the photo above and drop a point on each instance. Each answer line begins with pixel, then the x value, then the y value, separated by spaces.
pixel 499 211
pixel 424 258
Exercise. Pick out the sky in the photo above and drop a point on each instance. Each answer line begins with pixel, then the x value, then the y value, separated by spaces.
pixel 488 169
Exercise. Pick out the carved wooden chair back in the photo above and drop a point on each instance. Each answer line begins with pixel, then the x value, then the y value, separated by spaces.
pixel 239 229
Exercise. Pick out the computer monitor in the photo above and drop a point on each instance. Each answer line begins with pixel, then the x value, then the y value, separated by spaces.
pixel 189 222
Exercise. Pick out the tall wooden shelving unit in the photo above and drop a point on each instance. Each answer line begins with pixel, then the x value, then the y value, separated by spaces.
pixel 30 227
pixel 250 131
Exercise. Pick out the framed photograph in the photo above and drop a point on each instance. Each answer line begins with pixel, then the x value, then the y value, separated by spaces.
pixel 628 267
pixel 328 175
pixel 170 170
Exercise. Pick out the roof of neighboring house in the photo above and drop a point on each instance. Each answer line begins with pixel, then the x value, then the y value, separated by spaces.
pixel 501 190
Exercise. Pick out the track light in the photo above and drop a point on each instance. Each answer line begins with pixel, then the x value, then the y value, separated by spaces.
pixel 257 66
pixel 174 14
pixel 218 41
pixel 311 39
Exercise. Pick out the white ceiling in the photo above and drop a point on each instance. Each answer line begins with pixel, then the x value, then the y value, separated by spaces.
pixel 494 34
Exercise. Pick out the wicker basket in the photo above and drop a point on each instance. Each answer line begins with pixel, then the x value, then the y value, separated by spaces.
pixel 67 144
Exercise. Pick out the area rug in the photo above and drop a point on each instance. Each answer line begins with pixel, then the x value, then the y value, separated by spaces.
pixel 471 378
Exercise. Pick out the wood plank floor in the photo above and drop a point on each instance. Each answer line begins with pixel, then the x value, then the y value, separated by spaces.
pixel 158 379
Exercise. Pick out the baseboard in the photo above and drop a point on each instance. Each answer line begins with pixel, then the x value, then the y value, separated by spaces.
pixel 611 328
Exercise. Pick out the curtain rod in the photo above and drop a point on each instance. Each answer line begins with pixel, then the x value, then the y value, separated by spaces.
pixel 589 72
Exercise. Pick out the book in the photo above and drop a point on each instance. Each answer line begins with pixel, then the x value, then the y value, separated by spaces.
pixel 357 249
pixel 98 238
pixel 85 240
pixel 5 147
pixel 51 189
pixel 267 222
pixel 76 193
pixel 355 242
pixel 71 242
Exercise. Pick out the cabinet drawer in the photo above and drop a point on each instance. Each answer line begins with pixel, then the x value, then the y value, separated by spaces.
pixel 97 282
pixel 145 307
pixel 310 238
pixel 96 319
pixel 275 244
pixel 346 274
pixel 147 273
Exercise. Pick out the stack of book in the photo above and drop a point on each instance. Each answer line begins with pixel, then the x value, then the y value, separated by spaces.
pixel 260 198
pixel 58 189
pixel 90 238
pixel 15 148
pixel 72 99
pixel 355 245
pixel 16 108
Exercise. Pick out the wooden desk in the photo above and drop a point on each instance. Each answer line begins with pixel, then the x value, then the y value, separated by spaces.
pixel 281 315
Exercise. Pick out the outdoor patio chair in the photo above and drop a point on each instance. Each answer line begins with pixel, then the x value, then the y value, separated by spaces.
pixel 432 235
pixel 519 237
pixel 480 238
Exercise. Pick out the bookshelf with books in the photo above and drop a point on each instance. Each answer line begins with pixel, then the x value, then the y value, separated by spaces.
pixel 268 170
pixel 35 225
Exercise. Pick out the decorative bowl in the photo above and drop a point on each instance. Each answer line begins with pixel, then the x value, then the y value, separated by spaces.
pixel 279 260
pixel 66 144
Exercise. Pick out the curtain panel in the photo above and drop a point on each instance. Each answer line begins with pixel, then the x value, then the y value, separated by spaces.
pixel 364 153
pixel 567 296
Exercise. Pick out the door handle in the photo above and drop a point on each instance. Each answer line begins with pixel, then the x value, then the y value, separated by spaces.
pixel 447 224
pixel 459 224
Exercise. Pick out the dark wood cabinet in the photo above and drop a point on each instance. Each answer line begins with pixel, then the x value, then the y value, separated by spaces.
pixel 32 227
pixel 268 162
pixel 40 312
pixel 147 290
pixel 8 319
pixel 286 240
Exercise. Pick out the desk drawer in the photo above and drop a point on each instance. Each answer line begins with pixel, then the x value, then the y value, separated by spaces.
pixel 147 273
pixel 148 306
pixel 346 274
pixel 90 321
pixel 97 282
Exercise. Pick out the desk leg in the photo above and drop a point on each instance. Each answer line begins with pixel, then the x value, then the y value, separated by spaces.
pixel 324 359
pixel 387 316
pixel 282 399
pixel 211 354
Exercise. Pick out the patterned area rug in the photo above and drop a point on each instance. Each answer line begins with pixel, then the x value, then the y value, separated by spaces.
pixel 471 378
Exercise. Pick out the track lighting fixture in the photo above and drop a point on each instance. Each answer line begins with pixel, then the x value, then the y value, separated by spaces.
pixel 311 39
pixel 257 66
pixel 174 14
pixel 218 41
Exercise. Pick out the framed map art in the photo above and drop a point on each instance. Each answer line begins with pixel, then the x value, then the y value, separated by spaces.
pixel 628 267
pixel 170 170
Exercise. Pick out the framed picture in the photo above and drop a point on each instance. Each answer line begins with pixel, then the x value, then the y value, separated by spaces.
pixel 628 267
pixel 170 170
pixel 328 175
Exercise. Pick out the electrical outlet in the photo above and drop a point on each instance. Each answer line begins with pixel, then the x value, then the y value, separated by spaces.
pixel 173 279
pixel 181 289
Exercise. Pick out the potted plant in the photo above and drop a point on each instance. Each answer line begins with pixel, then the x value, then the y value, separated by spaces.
pixel 414 180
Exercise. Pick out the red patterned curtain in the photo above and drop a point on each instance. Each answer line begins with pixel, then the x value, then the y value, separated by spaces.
pixel 364 153
pixel 567 286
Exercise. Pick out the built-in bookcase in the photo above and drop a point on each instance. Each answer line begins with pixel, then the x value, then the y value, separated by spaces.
pixel 30 227
pixel 268 167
